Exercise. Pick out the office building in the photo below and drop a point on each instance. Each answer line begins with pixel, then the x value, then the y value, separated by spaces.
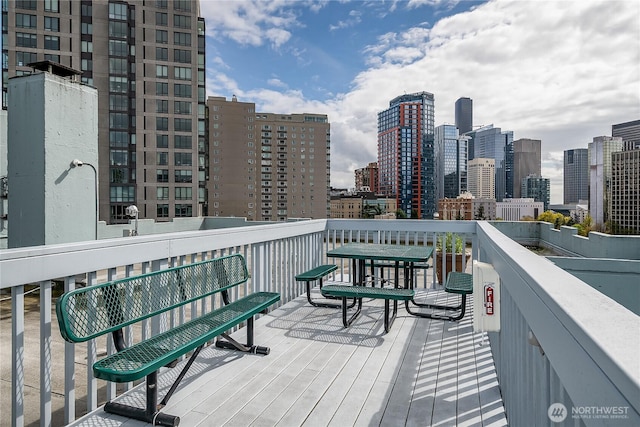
pixel 576 175
pixel 629 132
pixel 464 115
pixel 366 179
pixel 518 209
pixel 481 179
pixel 147 61
pixel 536 188
pixel 491 142
pixel 600 151
pixel 362 204
pixel 266 166
pixel 450 162
pixel 625 192
pixel 527 160
pixel 406 154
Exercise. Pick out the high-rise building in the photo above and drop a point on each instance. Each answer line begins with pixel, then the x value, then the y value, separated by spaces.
pixel 576 175
pixel 406 153
pixel 481 178
pixel 629 132
pixel 266 166
pixel 536 188
pixel 366 179
pixel 464 115
pixel 600 151
pixel 147 61
pixel 450 162
pixel 625 191
pixel 527 160
pixel 491 142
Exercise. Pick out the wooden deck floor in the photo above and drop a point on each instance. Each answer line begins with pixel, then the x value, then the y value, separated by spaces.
pixel 422 373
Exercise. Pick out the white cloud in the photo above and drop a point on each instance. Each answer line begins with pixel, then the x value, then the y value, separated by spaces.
pixel 277 83
pixel 558 71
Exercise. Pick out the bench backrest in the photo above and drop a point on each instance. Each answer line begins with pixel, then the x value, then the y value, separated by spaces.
pixel 87 313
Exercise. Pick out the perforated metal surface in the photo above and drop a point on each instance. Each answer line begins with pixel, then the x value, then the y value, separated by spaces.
pixel 368 292
pixel 459 283
pixel 89 312
pixel 143 358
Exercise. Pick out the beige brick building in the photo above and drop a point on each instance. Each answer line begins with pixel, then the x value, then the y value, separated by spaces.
pixel 266 166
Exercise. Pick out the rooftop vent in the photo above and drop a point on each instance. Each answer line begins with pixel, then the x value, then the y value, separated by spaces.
pixel 55 68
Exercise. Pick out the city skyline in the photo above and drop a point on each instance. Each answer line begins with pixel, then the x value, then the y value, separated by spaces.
pixel 563 85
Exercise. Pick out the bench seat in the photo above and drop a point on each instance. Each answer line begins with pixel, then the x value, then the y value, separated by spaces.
pixel 317 274
pixel 359 292
pixel 459 283
pixel 143 358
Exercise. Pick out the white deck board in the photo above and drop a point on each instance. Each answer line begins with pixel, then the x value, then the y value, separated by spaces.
pixel 423 372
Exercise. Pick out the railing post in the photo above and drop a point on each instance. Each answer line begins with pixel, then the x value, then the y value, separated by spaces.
pixel 69 368
pixel 17 356
pixel 45 353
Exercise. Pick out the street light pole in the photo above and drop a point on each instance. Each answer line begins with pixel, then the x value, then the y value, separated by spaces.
pixel 79 163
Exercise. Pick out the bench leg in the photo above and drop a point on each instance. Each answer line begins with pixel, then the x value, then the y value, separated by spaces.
pixel 232 344
pixel 454 317
pixel 150 414
pixel 389 317
pixel 346 320
pixel 324 304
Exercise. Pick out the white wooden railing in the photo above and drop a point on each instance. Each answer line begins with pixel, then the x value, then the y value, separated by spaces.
pixel 558 309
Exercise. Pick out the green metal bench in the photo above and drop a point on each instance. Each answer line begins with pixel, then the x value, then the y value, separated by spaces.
pixel 359 292
pixel 457 283
pixel 317 274
pixel 87 313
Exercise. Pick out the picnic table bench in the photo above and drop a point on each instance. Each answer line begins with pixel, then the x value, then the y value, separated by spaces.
pixel 457 283
pixel 87 313
pixel 313 275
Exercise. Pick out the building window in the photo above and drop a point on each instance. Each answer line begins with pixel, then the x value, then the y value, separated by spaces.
pixel 182 73
pixel 161 4
pixel 86 46
pixel 118 102
pixel 85 27
pixel 26 40
pixel 162 123
pixel 183 210
pixel 26 21
pixel 118 157
pixel 51 23
pixel 56 58
pixel 52 42
pixel 184 5
pixel 182 125
pixel 116 47
pixel 118 138
pixel 181 39
pixel 162 71
pixel 182 159
pixel 119 175
pixel 118 11
pixel 122 194
pixel 161 19
pixel 182 90
pixel 118 66
pixel 118 29
pixel 162 141
pixel 162 193
pixel 27 4
pixel 163 211
pixel 182 107
pixel 183 193
pixel 162 106
pixel 162 54
pixel 182 141
pixel 162 158
pixel 118 84
pixel 162 175
pixel 162 36
pixel 52 5
pixel 183 176
pixel 162 89
pixel 181 55
pixel 118 120
pixel 182 21
pixel 24 58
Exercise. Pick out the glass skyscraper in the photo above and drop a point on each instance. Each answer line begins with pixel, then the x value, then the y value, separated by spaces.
pixel 576 175
pixel 491 142
pixel 406 164
pixel 450 161
pixel 464 115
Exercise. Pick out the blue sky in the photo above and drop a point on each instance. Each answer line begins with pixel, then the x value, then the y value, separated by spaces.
pixel 559 71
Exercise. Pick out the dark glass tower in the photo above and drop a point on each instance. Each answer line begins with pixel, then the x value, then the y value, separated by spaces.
pixel 464 115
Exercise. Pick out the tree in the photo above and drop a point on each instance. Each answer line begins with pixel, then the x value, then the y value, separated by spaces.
pixel 400 214
pixel 557 219
pixel 480 213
